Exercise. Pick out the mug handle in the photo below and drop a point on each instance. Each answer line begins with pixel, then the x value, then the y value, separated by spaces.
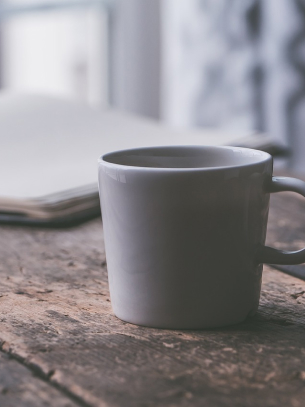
pixel 270 255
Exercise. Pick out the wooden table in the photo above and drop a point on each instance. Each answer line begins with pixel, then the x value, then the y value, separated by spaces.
pixel 62 345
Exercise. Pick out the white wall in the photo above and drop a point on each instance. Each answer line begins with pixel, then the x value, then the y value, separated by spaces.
pixel 135 56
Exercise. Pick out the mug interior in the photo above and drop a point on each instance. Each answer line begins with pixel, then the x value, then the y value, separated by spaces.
pixel 186 157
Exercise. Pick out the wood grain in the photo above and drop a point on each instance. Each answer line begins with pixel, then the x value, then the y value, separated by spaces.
pixel 19 387
pixel 56 320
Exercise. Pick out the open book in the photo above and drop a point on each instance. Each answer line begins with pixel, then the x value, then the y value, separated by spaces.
pixel 50 147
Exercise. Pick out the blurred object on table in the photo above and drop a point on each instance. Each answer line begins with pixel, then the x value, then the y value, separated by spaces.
pixel 50 147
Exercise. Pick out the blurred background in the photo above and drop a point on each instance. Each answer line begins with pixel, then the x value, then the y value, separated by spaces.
pixel 231 64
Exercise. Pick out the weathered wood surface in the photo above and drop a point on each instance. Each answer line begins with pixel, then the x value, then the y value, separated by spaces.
pixel 18 386
pixel 56 321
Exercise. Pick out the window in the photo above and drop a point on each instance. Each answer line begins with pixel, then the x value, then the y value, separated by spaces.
pixel 55 47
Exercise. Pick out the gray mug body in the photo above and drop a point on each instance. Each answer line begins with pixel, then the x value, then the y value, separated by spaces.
pixel 182 226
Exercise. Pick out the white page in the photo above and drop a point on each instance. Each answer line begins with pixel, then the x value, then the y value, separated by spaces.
pixel 50 145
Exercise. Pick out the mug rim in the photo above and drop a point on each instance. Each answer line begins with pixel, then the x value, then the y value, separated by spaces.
pixel 265 157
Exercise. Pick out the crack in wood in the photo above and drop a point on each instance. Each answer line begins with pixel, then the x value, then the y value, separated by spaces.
pixel 39 373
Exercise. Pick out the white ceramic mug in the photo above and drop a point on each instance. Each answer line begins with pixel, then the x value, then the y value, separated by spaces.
pixel 184 233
